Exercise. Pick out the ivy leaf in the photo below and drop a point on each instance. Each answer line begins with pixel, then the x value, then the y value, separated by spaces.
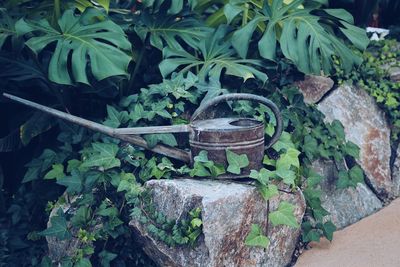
pixel 58 227
pixel 268 191
pixel 56 172
pixel 312 235
pixel 256 238
pixel 81 217
pixel 84 262
pixel 343 180
pixel 115 118
pixel 290 158
pixel 80 38
pixel 106 257
pixel 352 149
pixel 288 176
pixel 356 174
pixel 329 228
pixel 199 170
pixel 236 162
pixel 167 139
pixel 73 182
pixel 37 124
pixel 284 215
pixel 104 156
pixel 310 147
pixel 337 129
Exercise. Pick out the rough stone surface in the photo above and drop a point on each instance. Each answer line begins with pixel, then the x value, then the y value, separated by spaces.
pixel 59 249
pixel 346 206
pixel 314 87
pixel 365 125
pixel 396 174
pixel 228 210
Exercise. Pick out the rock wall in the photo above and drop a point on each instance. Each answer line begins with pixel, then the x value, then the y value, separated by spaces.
pixel 365 125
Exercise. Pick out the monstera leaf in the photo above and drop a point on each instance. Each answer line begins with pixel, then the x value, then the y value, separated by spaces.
pixel 307 37
pixel 6 26
pixel 82 39
pixel 173 7
pixel 166 30
pixel 216 55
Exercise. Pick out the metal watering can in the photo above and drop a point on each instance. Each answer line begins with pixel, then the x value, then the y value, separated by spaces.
pixel 239 135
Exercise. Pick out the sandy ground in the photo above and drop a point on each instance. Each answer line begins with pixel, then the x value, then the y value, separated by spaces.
pixel 373 241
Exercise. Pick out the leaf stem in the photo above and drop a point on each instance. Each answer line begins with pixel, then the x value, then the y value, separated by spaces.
pixel 245 14
pixel 137 66
pixel 56 12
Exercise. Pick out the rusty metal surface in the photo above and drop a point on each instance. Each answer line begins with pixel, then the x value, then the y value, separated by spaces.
pixel 242 136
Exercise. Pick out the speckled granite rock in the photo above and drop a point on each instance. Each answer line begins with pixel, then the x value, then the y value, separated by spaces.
pixel 314 87
pixel 365 125
pixel 228 210
pixel 346 206
pixel 396 174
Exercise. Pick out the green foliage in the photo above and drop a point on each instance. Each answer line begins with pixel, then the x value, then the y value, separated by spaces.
pixel 256 238
pixel 215 56
pixel 77 60
pixel 284 215
pixel 373 76
pixel 58 227
pixel 236 162
pixel 89 35
pixel 304 37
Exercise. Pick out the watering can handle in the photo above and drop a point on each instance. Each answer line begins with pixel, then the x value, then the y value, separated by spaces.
pixel 242 96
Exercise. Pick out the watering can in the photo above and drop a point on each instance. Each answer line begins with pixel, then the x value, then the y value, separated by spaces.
pixel 216 135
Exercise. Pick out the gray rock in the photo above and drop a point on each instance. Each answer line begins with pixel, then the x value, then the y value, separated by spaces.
pixel 393 70
pixel 396 174
pixel 346 206
pixel 228 210
pixel 314 87
pixel 365 125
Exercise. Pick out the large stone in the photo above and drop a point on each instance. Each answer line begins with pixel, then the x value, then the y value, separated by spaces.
pixel 346 206
pixel 396 173
pixel 228 210
pixel 314 87
pixel 365 125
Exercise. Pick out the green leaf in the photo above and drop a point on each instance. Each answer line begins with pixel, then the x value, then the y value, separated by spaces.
pixel 154 139
pixel 104 156
pixel 290 158
pixel 56 172
pixel 37 124
pixel 81 217
pixel 106 257
pixel 7 28
pixel 343 181
pixel 284 215
pixel 82 39
pixel 329 228
pixel 288 176
pixel 268 191
pixel 337 129
pixel 357 175
pixel 256 238
pixel 196 222
pixel 58 227
pixel 73 182
pixel 215 56
pixel 306 37
pixel 84 262
pixel 236 162
pixel 165 31
pixel 352 150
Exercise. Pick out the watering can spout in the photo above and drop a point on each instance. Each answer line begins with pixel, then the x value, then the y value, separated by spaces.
pixel 125 134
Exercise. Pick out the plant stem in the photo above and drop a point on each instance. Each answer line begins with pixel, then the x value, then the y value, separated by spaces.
pixel 137 66
pixel 245 14
pixel 56 12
